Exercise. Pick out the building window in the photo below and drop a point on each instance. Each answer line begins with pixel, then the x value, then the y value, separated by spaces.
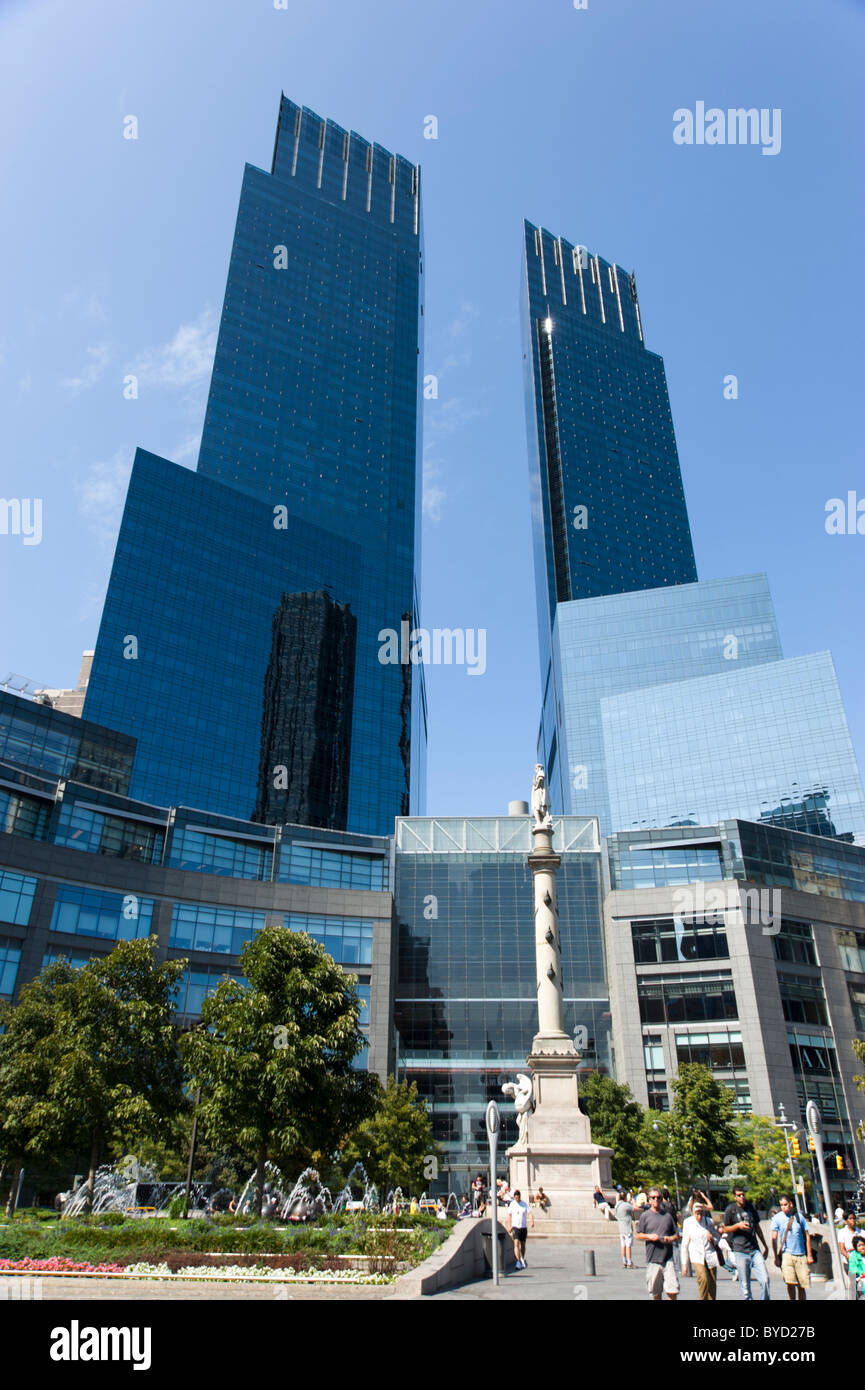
pixel 196 984
pixel 641 867
pixel 857 1004
pixel 795 943
pixel 812 1054
pixel 851 948
pixel 219 854
pixel 347 939
pixel 327 868
pixel 23 815
pixel 803 1000
pixel 86 912
pixel 659 1098
pixel 16 898
pixel 98 832
pixel 718 1051
pixel 657 940
pixel 10 956
pixel 198 927
pixel 653 1053
pixel 77 959
pixel 686 1001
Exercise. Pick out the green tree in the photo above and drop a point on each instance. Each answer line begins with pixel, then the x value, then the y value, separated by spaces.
pixel 617 1123
pixel 108 1058
pixel 655 1155
pixel 762 1158
pixel 273 1059
pixel 859 1049
pixel 395 1145
pixel 702 1125
pixel 25 1071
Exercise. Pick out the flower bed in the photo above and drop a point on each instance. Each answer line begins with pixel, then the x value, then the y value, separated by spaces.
pixel 57 1264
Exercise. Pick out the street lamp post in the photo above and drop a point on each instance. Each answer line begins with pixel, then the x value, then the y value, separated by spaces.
pixel 788 1125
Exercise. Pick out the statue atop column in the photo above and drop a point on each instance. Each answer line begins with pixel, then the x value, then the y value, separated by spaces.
pixel 541 800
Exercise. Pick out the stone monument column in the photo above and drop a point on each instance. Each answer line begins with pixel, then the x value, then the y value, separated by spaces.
pixel 555 1149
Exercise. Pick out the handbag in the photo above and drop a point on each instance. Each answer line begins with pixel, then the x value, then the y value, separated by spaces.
pixel 779 1253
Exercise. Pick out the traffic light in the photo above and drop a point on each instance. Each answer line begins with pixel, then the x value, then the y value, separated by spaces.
pixel 811 1145
pixel 839 1163
pixel 797 1147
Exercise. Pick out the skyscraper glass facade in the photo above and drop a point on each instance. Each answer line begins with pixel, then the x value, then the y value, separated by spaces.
pixel 311 434
pixel 764 742
pixel 466 994
pixel 628 642
pixel 644 670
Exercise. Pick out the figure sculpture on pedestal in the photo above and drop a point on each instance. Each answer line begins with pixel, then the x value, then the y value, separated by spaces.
pixel 521 1092
pixel 541 800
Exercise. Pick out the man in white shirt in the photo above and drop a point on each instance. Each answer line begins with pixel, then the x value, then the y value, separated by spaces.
pixel 519 1217
pixel 700 1249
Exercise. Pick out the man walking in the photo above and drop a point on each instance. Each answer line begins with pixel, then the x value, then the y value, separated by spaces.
pixel 742 1226
pixel 519 1217
pixel 660 1232
pixel 624 1214
pixel 791 1244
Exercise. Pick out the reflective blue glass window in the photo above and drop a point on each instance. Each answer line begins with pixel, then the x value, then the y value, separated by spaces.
pixel 347 939
pixel 23 815
pixel 98 832
pixel 16 898
pixel 329 868
pixel 87 912
pixel 199 927
pixel 220 854
pixel 10 956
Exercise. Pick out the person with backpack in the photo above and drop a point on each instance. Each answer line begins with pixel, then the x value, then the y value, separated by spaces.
pixel 791 1244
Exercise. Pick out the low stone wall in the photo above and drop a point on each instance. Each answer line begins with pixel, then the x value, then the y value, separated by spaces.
pixel 459 1260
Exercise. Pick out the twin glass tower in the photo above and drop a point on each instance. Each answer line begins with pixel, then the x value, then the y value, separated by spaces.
pixel 666 701
pixel 239 640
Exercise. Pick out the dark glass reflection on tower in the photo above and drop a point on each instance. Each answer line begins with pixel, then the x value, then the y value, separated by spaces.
pixel 306 719
pixel 313 417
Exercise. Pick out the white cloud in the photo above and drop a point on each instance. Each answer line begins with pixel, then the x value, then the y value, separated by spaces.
pixel 184 361
pixel 99 356
pixel 101 494
pixel 434 495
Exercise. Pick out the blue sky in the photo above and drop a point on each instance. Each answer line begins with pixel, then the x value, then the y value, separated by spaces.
pixel 113 256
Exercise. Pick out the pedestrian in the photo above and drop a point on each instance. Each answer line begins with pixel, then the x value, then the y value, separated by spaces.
pixel 667 1204
pixel 700 1250
pixel 659 1231
pixel 477 1193
pixel 856 1266
pixel 846 1237
pixel 602 1204
pixel 641 1201
pixel 519 1217
pixel 742 1225
pixel 791 1244
pixel 624 1214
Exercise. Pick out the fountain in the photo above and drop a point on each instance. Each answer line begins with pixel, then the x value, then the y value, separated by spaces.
pixel 348 1200
pixel 132 1188
pixel 307 1199
pixel 452 1205
pixel 272 1180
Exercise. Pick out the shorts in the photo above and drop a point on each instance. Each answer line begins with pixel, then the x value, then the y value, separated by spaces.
pixel 661 1275
pixel 626 1237
pixel 519 1233
pixel 794 1270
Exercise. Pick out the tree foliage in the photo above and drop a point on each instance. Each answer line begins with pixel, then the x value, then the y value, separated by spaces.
pixel 762 1159
pixel 102 1046
pixel 702 1125
pixel 395 1144
pixel 859 1049
pixel 273 1059
pixel 617 1122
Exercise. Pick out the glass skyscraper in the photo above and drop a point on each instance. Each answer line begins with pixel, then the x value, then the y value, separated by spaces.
pixel 664 700
pixel 255 589
pixel 465 1008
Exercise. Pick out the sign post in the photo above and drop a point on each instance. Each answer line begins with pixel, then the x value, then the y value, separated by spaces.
pixel 493 1125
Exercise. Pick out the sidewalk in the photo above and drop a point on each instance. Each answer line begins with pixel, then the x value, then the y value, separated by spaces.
pixel 556 1271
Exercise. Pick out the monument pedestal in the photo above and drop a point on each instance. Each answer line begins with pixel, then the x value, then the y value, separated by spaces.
pixel 558 1154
